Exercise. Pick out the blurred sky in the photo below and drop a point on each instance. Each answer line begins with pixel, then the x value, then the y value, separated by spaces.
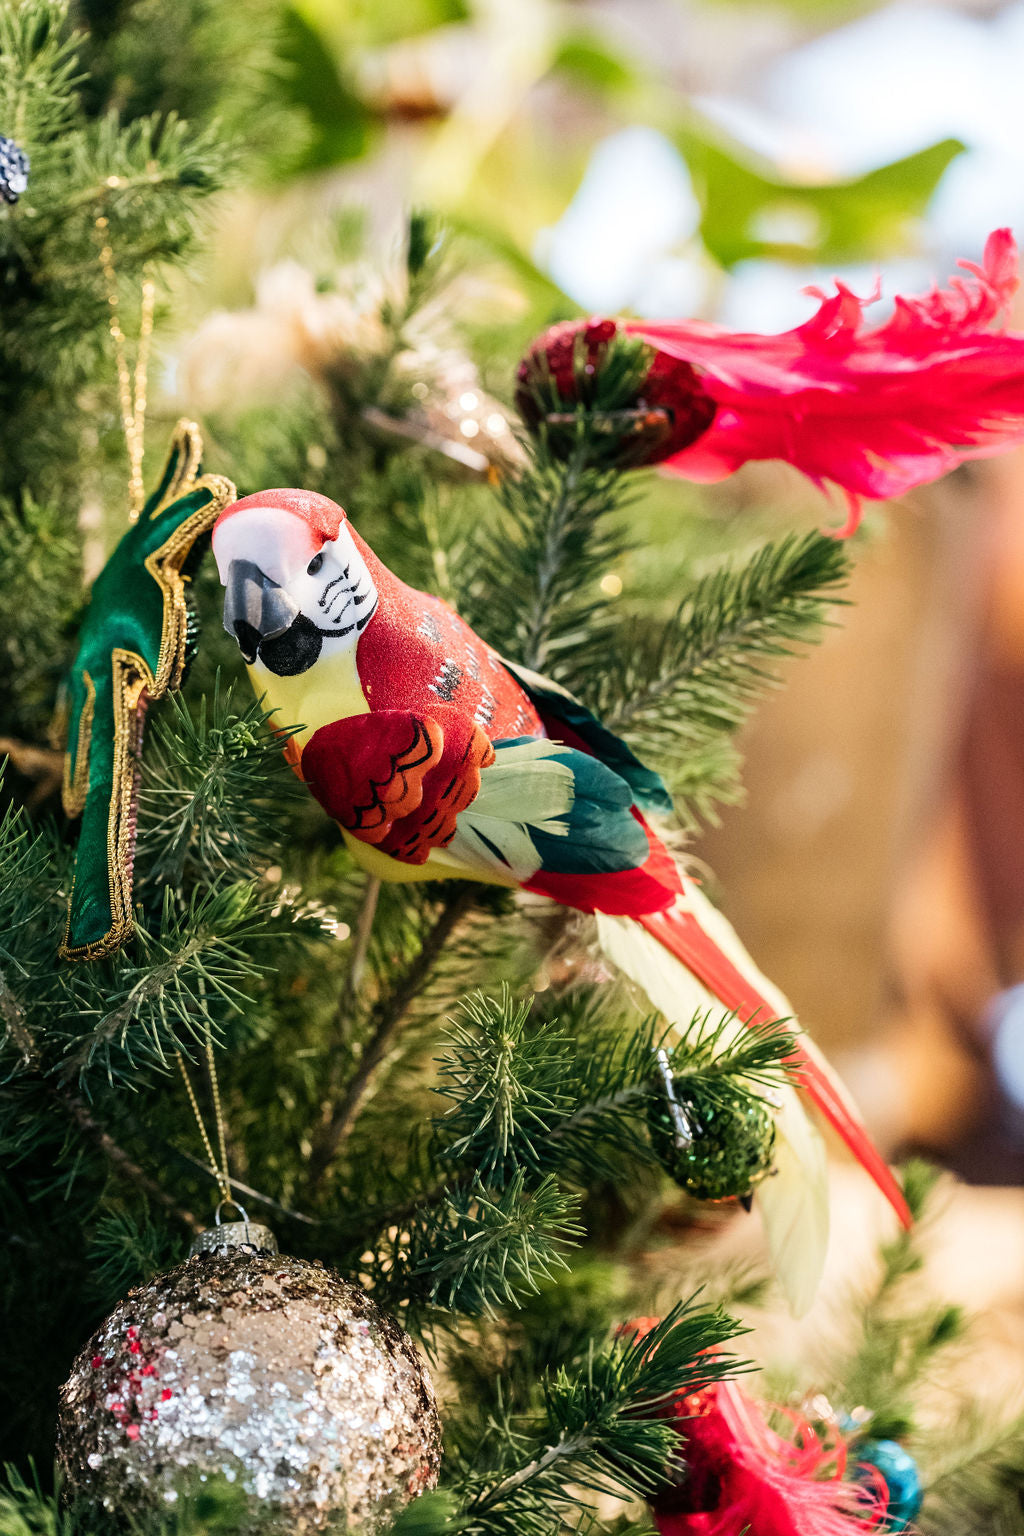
pixel 842 104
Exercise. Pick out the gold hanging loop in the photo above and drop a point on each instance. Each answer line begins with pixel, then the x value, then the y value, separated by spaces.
pixel 131 388
pixel 220 1167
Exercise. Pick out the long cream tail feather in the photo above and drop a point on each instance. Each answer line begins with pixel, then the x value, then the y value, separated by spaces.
pixel 794 1202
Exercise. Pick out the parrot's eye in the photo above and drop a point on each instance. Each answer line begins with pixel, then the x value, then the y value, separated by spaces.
pixel 314 565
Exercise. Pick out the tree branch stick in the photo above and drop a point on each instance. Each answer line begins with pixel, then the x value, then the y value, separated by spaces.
pixel 119 1158
pixel 14 1018
pixel 516 1480
pixel 360 949
pixel 247 1189
pixel 390 1014
pixel 550 566
pixel 34 761
pixel 15 1027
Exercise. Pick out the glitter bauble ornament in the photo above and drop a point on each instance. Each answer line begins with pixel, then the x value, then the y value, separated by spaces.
pixel 14 170
pixel 271 1371
pixel 902 1479
pixel 714 1140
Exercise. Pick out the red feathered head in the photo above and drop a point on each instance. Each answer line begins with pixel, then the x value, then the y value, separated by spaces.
pixel 321 515
pixel 296 576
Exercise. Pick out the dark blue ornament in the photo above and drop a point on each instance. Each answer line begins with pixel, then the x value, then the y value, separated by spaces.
pixel 901 1478
pixel 13 170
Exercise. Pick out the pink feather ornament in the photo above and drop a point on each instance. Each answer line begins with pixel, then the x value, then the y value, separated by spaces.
pixel 872 410
pixel 744 1476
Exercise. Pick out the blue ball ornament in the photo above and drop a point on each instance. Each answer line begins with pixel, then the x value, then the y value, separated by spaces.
pixel 901 1478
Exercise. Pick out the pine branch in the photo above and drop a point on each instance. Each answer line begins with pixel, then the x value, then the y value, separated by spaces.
pixel 559 548
pixel 192 971
pixel 551 548
pixel 26 998
pixel 600 1429
pixel 215 791
pixel 508 1086
pixel 38 71
pixel 563 1096
pixel 477 1251
pixel 70 1104
pixel 344 1099
pixel 202 1506
pixel 720 1049
pixel 537 1105
pixel 27 899
pixel 977 1485
pixel 147 178
pixel 25 1510
pixel 119 1159
pixel 897 1342
pixel 41 561
pixel 678 690
pixel 572 1096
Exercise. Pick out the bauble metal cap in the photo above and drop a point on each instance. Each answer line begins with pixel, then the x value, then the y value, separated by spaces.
pixel 233 1236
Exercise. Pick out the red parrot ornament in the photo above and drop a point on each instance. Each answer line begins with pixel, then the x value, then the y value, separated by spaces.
pixel 872 410
pixel 439 759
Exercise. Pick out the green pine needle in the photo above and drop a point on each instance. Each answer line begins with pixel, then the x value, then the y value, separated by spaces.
pixel 678 690
pixel 215 791
pixel 601 1427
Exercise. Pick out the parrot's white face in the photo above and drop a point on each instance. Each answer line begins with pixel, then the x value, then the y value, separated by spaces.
pixel 288 597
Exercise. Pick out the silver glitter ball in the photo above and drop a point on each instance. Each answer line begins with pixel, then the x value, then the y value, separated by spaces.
pixel 271 1371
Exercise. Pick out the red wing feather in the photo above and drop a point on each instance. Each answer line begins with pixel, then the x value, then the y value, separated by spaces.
pixel 397 779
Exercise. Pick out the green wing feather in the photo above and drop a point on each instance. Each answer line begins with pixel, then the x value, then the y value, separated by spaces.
pixel 556 704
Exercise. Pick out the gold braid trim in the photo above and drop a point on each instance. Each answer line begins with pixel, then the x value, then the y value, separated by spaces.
pixel 75 787
pixel 164 565
pixel 187 446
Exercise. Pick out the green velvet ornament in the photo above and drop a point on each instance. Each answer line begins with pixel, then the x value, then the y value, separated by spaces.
pixel 132 648
pixel 728 1142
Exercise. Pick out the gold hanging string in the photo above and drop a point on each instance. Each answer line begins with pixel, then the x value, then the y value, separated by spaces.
pixel 220 1169
pixel 218 1114
pixel 131 389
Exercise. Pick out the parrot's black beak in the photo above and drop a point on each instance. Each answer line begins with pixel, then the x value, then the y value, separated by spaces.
pixel 255 607
pixel 266 623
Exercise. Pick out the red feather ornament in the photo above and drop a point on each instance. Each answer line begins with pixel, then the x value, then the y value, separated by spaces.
pixel 744 1476
pixel 872 410
pixel 741 1477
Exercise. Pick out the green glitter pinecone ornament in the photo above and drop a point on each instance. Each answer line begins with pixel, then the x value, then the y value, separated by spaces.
pixel 714 1138
pixel 272 1372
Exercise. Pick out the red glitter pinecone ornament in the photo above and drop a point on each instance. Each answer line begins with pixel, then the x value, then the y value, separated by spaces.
pixel 670 410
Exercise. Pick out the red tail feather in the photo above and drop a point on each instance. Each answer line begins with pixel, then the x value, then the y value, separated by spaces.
pixel 681 934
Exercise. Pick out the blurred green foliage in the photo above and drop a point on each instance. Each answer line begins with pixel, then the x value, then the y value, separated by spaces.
pixel 746 212
pixel 352 77
pixel 341 124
